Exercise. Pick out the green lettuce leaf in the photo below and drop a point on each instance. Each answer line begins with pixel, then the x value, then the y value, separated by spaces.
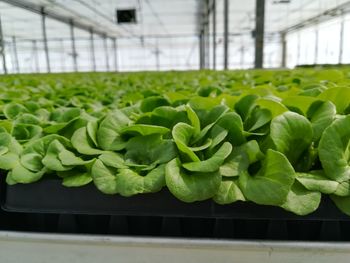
pixel 131 183
pixel 334 150
pixel 229 192
pixel 108 133
pixel 291 135
pixel 301 201
pixel 190 187
pixel 213 163
pixel 272 183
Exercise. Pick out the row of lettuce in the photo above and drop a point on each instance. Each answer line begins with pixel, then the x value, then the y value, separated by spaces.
pixel 278 138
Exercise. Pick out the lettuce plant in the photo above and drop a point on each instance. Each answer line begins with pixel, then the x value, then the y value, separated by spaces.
pixel 278 138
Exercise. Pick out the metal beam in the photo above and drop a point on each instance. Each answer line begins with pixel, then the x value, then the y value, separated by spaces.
pixel 92 50
pixel 324 16
pixel 115 52
pixel 214 33
pixel 74 51
pixel 15 54
pixel 46 48
pixel 259 33
pixel 2 49
pixel 64 19
pixel 152 36
pixel 226 22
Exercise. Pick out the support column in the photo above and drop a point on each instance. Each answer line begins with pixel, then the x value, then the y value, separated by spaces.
pixel 316 46
pixel 46 48
pixel 226 22
pixel 214 34
pixel 115 53
pixel 157 53
pixel 341 40
pixel 2 49
pixel 106 51
pixel 241 50
pixel 298 49
pixel 201 50
pixel 74 51
pixel 206 35
pixel 259 33
pixel 284 50
pixel 35 55
pixel 63 64
pixel 15 54
pixel 92 50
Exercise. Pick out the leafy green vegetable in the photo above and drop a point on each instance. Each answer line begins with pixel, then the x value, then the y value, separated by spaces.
pixel 272 183
pixel 108 133
pixel 240 159
pixel 83 144
pixel 321 115
pixel 301 201
pixel 343 203
pixel 229 192
pixel 339 96
pixel 182 133
pixel 273 137
pixel 291 135
pixel 334 150
pixel 317 182
pixel 130 183
pixel 76 180
pixel 213 163
pixel 10 150
pixel 190 187
pixel 104 178
pixel 150 149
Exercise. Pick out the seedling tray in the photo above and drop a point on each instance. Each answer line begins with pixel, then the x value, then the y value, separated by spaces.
pixel 49 196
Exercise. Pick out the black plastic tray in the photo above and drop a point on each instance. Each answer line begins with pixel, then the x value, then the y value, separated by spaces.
pixel 49 196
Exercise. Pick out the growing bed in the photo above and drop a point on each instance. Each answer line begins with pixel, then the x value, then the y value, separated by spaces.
pixel 239 144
